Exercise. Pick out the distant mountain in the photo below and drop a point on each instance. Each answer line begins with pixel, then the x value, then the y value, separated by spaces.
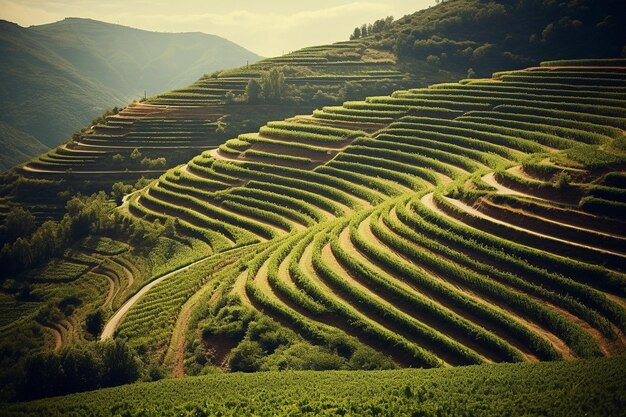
pixel 54 78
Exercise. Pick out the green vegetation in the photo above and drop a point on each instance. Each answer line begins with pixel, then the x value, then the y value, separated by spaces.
pixel 429 240
pixel 17 146
pixel 492 390
pixel 464 223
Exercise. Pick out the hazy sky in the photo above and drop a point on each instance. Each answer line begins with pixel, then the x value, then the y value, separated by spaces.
pixel 267 27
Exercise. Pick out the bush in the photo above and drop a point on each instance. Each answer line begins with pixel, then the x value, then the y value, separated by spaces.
pixel 562 180
pixel 155 163
pixel 369 359
pixel 246 357
pixel 95 322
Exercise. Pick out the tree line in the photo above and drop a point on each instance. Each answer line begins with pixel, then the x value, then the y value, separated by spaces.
pixel 372 28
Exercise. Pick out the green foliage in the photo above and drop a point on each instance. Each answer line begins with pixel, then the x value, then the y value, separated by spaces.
pixel 273 85
pixel 154 163
pixel 84 215
pixel 253 92
pixel 18 223
pixel 94 322
pixel 493 390
pixel 80 368
pixel 135 155
pixel 246 357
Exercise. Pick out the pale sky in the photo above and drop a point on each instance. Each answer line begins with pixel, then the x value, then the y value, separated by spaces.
pixel 267 27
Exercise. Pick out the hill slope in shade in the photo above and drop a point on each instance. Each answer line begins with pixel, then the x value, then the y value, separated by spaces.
pixel 57 77
pixel 133 60
pixel 487 36
pixel 17 146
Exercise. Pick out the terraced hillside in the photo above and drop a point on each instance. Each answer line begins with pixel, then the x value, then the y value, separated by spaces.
pixel 462 223
pixel 182 123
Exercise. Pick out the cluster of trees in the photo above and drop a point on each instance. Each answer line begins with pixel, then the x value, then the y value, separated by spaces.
pixel 32 247
pixel 493 35
pixel 144 161
pixel 78 368
pixel 371 29
pixel 271 88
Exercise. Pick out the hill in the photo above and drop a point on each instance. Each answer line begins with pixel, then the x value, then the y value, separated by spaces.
pixel 488 36
pixel 59 76
pixel 464 223
pixel 456 39
pixel 494 390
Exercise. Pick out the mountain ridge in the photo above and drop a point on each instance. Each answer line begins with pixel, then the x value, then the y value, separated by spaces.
pixel 70 71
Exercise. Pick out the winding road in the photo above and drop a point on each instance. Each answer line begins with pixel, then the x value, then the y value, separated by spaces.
pixel 113 323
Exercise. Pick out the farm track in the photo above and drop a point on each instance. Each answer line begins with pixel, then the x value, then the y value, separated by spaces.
pixel 116 319
pixel 56 334
pixel 490 179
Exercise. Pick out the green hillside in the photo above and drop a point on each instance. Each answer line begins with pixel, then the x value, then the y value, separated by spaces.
pixel 459 223
pixel 463 223
pixel 59 76
pixel 495 390
pixel 180 124
pixel 453 40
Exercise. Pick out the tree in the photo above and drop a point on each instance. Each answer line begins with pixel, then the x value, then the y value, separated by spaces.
pixel 253 91
pixel 356 34
pixel 433 60
pixel 135 155
pixel 94 323
pixel 155 163
pixel 230 97
pixel 81 369
pixel 19 223
pixel 246 357
pixel 45 241
pixel 21 253
pixel 364 30
pixel 378 26
pixel 273 85
pixel 169 228
pixel 120 364
pixel 119 190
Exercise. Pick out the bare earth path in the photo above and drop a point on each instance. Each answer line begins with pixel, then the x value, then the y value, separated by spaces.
pixel 58 338
pixel 113 323
pixel 490 179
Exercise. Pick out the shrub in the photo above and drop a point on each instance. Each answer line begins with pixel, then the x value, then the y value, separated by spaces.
pixel 246 357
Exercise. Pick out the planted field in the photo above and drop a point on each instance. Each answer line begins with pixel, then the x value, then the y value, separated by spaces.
pixel 472 226
pixel 517 390
pixel 462 224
